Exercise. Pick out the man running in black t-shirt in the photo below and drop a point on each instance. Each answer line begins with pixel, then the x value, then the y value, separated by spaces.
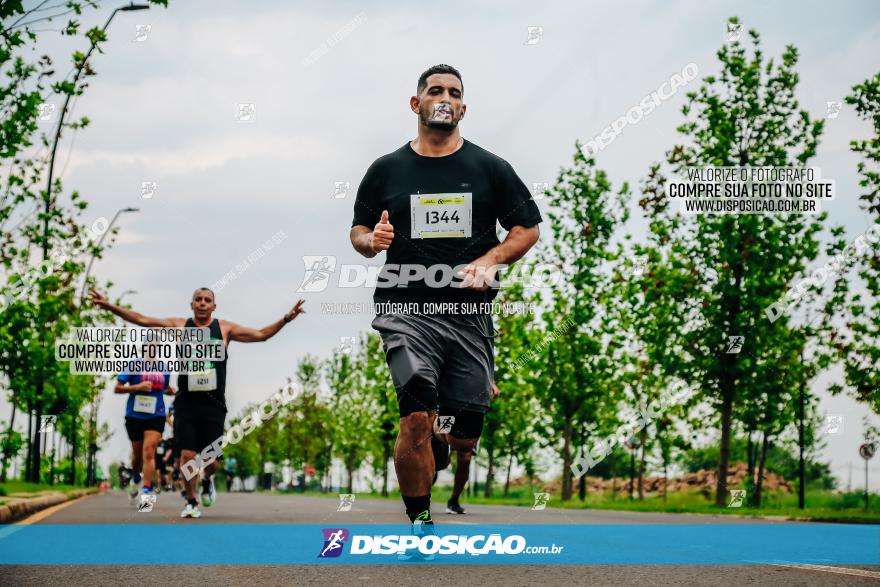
pixel 200 404
pixel 433 205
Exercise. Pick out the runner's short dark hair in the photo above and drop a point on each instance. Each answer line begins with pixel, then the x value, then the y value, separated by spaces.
pixel 441 68
pixel 213 295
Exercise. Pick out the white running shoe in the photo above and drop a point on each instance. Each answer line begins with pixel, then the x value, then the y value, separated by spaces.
pixel 190 512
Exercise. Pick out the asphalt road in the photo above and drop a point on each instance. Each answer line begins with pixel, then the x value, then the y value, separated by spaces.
pixel 241 508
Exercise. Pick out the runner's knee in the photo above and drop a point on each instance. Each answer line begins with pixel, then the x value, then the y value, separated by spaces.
pixel 417 424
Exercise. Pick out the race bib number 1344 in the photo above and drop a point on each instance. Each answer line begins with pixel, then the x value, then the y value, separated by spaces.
pixel 441 215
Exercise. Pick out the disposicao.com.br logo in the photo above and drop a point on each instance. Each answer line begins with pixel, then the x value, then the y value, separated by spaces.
pixel 452 544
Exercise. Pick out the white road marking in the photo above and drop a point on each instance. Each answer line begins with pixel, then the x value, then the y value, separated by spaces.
pixel 830 569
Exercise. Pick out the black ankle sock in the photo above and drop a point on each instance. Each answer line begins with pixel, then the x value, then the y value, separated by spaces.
pixel 193 502
pixel 418 507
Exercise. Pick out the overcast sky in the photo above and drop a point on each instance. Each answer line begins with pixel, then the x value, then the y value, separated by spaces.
pixel 165 109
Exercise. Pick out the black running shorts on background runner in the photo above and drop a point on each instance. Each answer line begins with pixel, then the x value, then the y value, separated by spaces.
pixel 439 360
pixel 195 428
pixel 136 427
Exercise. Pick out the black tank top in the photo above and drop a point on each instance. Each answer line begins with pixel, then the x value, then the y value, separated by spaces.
pixel 201 395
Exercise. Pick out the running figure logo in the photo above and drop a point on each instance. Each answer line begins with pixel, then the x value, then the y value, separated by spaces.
pixel 318 271
pixel 832 109
pixel 833 424
pixel 334 539
pixel 541 501
pixel 445 424
pixel 534 35
pixel 736 498
pixel 538 189
pixel 734 30
pixel 639 264
pixel 146 503
pixel 734 344
pixel 340 189
pixel 148 189
pixel 346 500
pixel 141 31
pixel 47 423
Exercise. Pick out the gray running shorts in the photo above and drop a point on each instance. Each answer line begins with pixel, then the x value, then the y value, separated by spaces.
pixel 439 360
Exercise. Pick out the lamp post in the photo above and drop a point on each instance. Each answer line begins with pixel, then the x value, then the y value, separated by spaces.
pixel 82 293
pixel 34 452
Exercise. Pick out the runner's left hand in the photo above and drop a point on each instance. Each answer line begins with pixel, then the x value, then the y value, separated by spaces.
pixel 296 311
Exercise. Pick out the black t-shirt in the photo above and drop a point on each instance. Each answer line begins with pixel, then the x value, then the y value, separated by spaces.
pixel 455 201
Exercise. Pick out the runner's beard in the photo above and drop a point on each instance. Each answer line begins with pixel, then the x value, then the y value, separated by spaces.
pixel 441 117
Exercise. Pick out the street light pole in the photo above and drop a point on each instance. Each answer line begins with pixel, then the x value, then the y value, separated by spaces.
pixel 82 293
pixel 34 454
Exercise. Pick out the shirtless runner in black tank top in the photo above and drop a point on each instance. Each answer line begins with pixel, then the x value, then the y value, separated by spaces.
pixel 200 407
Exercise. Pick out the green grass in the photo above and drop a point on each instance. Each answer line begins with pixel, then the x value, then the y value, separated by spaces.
pixel 821 505
pixel 13 487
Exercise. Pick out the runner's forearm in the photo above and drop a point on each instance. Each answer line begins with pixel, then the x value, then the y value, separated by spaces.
pixel 517 243
pixel 361 240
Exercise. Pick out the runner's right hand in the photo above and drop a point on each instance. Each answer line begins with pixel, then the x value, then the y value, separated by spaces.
pixel 383 234
pixel 98 299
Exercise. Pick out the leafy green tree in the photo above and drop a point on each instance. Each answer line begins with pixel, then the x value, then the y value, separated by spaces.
pixel 861 350
pixel 724 271
pixel 378 387
pixel 579 356
pixel 356 425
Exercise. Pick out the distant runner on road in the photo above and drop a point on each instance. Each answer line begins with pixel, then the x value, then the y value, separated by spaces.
pixel 200 407
pixel 144 422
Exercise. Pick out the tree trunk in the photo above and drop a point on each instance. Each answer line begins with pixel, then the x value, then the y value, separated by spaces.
pixel 644 438
pixel 749 459
pixel 73 445
pixel 3 462
pixel 632 473
pixel 724 456
pixel 27 459
pixel 509 467
pixel 764 445
pixel 52 462
pixel 490 474
pixel 665 476
pixel 566 460
pixel 350 470
pixel 35 453
pixel 801 441
pixel 385 451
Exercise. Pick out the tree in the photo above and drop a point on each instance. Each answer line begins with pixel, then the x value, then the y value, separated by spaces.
pixel 378 386
pixel 861 350
pixel 356 412
pixel 575 376
pixel 726 270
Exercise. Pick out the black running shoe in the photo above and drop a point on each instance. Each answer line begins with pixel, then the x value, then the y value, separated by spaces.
pixel 441 454
pixel 453 507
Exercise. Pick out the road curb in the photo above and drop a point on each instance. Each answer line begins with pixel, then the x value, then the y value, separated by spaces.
pixel 16 511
